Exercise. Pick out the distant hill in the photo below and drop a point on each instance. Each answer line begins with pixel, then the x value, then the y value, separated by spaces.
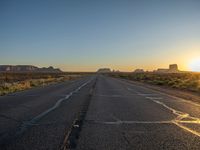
pixel 28 68
pixel 173 68
pixel 104 70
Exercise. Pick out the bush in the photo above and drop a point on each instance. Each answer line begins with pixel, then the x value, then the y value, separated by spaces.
pixel 187 81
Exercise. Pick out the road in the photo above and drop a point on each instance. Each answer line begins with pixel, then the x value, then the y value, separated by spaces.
pixel 98 112
pixel 38 118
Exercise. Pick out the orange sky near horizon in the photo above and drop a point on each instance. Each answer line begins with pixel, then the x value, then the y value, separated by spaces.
pixel 85 36
pixel 183 60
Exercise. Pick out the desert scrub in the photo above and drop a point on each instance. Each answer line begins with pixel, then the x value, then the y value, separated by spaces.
pixel 23 85
pixel 186 81
pixel 13 87
pixel 10 87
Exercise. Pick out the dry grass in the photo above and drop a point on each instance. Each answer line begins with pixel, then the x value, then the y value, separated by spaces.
pixel 183 81
pixel 14 85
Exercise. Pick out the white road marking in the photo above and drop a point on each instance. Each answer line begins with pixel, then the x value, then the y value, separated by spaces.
pixel 187 129
pixel 130 122
pixel 178 121
pixel 161 93
pixel 33 121
pixel 57 104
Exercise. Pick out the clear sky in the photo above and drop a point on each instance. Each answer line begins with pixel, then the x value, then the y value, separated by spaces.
pixel 83 35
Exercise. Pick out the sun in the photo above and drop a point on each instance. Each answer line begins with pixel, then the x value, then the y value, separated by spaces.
pixel 195 65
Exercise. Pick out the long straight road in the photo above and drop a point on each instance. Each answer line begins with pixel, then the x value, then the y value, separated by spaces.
pixel 120 115
pixel 39 118
pixel 127 116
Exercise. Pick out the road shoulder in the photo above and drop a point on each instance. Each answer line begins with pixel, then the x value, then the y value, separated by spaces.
pixel 190 96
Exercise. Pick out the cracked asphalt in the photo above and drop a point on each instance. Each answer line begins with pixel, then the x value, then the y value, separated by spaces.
pixel 125 116
pixel 35 120
pixel 121 115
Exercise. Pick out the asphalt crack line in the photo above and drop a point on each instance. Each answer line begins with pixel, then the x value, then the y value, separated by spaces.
pixel 128 122
pixel 187 129
pixel 33 121
pixel 72 136
pixel 119 122
pixel 25 125
pixel 161 93
pixel 180 116
pixel 57 104
pixel 177 121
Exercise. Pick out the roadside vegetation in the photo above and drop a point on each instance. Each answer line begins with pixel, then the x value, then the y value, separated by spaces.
pixel 183 81
pixel 13 82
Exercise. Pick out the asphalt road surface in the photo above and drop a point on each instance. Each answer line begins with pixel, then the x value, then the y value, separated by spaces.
pixel 100 113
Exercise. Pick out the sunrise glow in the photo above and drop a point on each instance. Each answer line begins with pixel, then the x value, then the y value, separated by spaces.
pixel 195 65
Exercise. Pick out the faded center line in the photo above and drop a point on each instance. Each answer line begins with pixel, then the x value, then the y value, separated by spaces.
pixel 33 121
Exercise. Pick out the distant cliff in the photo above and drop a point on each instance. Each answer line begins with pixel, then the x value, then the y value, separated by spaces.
pixel 173 68
pixel 27 68
pixel 104 70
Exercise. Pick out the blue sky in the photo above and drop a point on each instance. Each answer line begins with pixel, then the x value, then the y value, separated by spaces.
pixel 83 35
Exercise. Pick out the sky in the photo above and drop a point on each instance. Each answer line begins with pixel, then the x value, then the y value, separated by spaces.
pixel 84 35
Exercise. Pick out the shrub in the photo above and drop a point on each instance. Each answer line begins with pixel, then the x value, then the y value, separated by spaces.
pixel 187 81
